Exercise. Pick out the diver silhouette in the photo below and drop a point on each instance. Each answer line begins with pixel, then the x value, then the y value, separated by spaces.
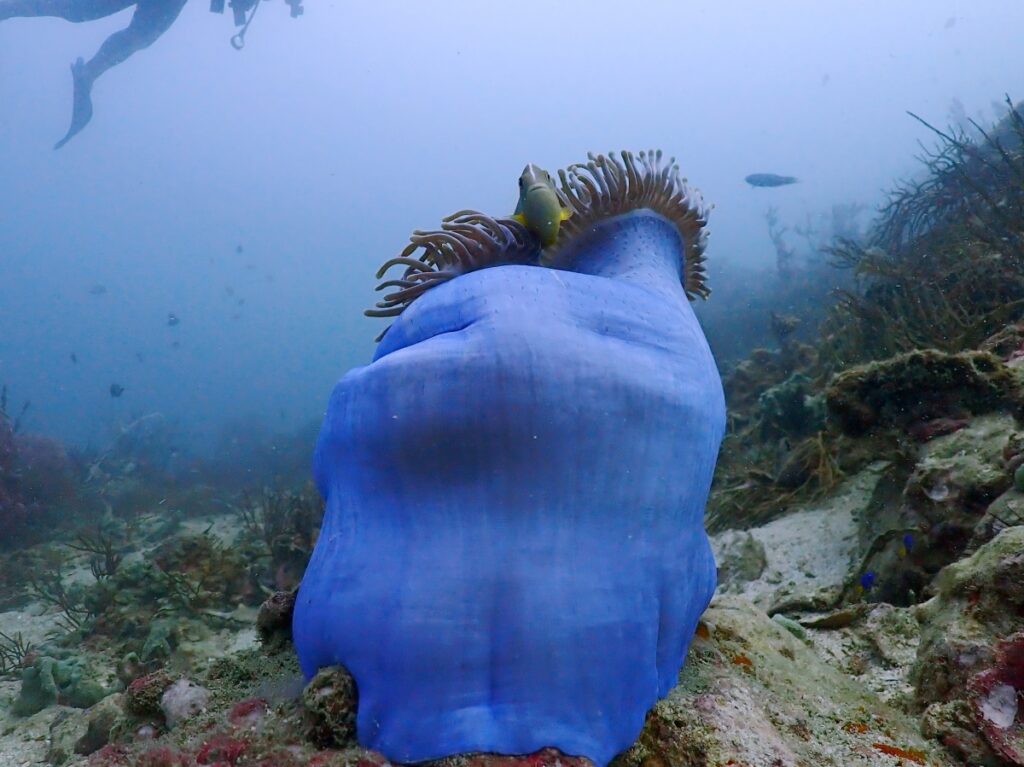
pixel 149 21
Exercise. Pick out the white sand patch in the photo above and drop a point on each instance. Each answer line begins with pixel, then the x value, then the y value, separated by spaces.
pixel 809 553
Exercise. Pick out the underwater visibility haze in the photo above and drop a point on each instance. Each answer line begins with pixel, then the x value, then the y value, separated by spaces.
pixel 559 384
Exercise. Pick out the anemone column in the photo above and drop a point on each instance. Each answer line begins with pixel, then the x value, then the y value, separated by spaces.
pixel 513 554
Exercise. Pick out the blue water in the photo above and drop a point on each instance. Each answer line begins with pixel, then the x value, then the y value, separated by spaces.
pixel 330 137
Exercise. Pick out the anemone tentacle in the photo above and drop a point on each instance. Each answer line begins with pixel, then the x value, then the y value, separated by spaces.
pixel 603 187
pixel 467 241
pixel 610 185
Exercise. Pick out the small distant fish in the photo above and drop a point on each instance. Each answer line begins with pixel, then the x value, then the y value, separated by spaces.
pixel 770 179
pixel 74 358
pixel 116 390
pixel 950 22
pixel 176 344
pixel 172 319
pixel 239 248
pixel 97 290
pixel 229 290
pixel 867 581
pixel 241 302
pixel 906 546
pixel 539 208
pixel 139 357
pixel 825 78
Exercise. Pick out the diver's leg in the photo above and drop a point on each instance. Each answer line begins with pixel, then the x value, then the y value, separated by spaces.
pixel 151 19
pixel 70 10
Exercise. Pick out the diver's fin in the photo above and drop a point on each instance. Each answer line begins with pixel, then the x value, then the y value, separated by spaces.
pixel 520 218
pixel 81 112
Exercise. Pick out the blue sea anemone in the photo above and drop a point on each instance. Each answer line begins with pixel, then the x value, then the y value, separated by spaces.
pixel 513 555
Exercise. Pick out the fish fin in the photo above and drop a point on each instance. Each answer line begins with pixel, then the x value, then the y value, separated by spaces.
pixel 566 214
pixel 520 218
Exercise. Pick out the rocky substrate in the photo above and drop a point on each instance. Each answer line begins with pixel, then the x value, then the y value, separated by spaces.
pixel 883 625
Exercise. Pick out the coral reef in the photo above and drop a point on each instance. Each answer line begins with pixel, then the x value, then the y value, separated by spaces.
pixel 941 268
pixel 932 293
pixel 330 701
pixel 889 530
pixel 37 480
pixel 789 409
pixel 996 694
pixel 868 511
pixel 142 697
pixel 281 529
pixel 969 658
pixel 274 620
pixel 751 693
pixel 921 386
pixel 65 679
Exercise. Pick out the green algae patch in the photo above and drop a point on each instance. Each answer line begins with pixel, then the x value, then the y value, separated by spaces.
pixel 67 680
pixel 239 675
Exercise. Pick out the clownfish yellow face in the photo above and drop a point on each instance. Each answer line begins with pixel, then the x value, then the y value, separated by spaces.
pixel 539 208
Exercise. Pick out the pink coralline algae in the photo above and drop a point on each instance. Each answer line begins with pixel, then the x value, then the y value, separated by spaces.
pixel 110 756
pixel 248 713
pixel 162 756
pixel 142 697
pixel 221 749
pixel 998 698
pixel 924 431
